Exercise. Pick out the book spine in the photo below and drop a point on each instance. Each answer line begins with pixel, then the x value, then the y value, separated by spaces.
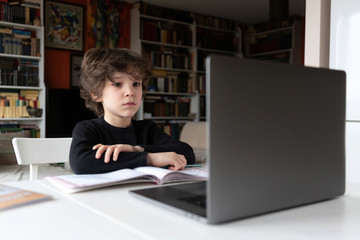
pixel 24 12
pixel 167 107
pixel 13 104
pixel 19 72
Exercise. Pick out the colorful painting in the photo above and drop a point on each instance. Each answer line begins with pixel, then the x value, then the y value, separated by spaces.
pixel 108 24
pixel 64 24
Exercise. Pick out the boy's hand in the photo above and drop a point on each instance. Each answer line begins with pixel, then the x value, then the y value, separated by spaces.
pixel 173 160
pixel 115 150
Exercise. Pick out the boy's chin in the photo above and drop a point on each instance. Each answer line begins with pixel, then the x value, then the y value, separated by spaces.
pixel 128 115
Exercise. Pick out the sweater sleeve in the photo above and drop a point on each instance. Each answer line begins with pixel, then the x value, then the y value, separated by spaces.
pixel 159 141
pixel 82 156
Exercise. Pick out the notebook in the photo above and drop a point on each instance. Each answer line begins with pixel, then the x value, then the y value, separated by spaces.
pixel 275 140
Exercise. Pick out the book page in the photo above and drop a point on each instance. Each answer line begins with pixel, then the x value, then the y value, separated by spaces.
pixel 86 180
pixel 188 174
pixel 166 175
pixel 158 172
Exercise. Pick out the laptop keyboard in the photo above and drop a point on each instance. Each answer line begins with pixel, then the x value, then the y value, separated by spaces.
pixel 197 200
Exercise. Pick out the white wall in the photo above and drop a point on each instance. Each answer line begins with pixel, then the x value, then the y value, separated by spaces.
pixel 345 55
pixel 317 33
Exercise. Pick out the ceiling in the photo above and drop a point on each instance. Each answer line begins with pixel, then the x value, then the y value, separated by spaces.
pixel 244 11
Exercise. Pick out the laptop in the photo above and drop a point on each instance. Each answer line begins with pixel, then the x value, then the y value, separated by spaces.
pixel 275 140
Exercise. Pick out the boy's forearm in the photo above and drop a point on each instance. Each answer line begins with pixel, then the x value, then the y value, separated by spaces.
pixel 179 148
pixel 139 149
pixel 87 163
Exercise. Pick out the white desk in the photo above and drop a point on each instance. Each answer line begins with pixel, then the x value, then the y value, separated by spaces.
pixel 57 219
pixel 124 215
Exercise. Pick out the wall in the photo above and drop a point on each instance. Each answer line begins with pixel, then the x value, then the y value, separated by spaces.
pixel 332 32
pixel 317 33
pixel 344 55
pixel 57 62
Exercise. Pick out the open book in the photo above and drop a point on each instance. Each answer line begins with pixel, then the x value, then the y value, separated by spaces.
pixel 82 182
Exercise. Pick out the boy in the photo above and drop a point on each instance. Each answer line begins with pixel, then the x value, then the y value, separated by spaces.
pixel 113 83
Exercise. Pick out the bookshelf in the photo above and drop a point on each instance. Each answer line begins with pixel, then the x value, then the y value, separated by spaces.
pixel 22 65
pixel 280 41
pixel 178 43
pixel 213 37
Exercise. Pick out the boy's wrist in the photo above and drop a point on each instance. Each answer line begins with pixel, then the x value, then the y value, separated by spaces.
pixel 149 159
pixel 139 149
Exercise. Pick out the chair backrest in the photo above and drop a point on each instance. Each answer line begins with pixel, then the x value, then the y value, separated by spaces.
pixel 194 133
pixel 35 151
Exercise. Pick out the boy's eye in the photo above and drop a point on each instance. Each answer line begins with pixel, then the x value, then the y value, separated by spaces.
pixel 117 84
pixel 137 84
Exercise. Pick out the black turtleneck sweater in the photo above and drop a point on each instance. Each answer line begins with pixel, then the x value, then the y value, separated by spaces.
pixel 144 133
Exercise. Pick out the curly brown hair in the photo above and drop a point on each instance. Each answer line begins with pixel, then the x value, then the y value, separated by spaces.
pixel 100 64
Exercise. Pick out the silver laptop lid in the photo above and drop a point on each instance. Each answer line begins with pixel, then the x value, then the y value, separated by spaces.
pixel 275 136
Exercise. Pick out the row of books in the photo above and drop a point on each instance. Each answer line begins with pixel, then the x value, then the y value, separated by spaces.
pixel 270 42
pixel 269 26
pixel 160 106
pixel 276 57
pixel 13 108
pixel 19 46
pixel 185 16
pixel 217 40
pixel 162 12
pixel 13 103
pixel 177 83
pixel 215 22
pixel 22 12
pixel 27 130
pixel 201 84
pixel 19 41
pixel 19 72
pixel 171 129
pixel 166 32
pixel 170 58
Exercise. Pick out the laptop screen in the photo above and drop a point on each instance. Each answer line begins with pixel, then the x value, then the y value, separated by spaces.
pixel 275 134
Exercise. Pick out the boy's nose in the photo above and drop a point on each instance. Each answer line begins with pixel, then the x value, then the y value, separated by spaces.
pixel 129 91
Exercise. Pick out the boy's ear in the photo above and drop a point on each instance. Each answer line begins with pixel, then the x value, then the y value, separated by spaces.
pixel 95 98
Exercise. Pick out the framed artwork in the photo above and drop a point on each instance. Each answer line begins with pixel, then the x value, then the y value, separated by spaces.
pixel 64 26
pixel 75 70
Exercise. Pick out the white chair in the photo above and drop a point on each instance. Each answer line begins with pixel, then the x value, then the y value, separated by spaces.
pixel 36 151
pixel 194 134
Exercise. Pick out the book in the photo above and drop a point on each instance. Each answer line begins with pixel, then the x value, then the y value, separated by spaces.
pixel 76 183
pixel 11 197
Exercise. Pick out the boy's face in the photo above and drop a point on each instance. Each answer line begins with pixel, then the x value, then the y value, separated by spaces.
pixel 121 99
